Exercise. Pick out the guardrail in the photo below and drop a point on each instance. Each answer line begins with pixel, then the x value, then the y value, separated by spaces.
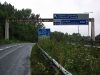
pixel 54 63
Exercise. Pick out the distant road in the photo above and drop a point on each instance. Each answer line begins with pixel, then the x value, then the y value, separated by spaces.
pixel 14 59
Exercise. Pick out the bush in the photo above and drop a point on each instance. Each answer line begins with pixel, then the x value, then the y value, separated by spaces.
pixel 77 59
pixel 38 65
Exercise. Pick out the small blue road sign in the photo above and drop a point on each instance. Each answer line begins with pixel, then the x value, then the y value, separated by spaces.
pixel 43 32
pixel 71 19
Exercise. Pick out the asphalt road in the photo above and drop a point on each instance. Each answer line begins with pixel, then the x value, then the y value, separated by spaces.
pixel 14 59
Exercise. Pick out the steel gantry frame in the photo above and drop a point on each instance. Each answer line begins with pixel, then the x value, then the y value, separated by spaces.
pixel 90 20
pixel 46 20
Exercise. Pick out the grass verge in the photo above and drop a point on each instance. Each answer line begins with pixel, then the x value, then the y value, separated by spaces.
pixel 8 41
pixel 39 66
pixel 77 59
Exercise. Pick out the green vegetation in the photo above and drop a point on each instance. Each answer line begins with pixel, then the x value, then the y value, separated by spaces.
pixel 9 41
pixel 22 31
pixel 38 65
pixel 98 39
pixel 77 59
pixel 70 52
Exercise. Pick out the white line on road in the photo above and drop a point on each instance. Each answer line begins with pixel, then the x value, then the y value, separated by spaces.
pixel 8 47
pixel 10 52
pixel 1 49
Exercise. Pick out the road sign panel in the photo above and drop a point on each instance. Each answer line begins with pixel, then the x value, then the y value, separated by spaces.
pixel 43 32
pixel 70 22
pixel 45 20
pixel 71 19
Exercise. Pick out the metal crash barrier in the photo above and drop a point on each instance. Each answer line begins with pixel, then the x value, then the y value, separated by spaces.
pixel 54 62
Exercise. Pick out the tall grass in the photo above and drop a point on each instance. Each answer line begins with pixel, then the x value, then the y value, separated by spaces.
pixel 39 66
pixel 77 59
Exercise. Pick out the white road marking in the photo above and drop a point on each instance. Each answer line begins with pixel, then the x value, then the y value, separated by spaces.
pixel 10 52
pixel 1 49
pixel 8 47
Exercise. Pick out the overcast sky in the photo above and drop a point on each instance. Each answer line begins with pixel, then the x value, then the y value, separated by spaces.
pixel 46 8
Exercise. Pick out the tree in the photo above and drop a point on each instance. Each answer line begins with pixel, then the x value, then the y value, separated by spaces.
pixel 57 36
pixel 98 39
pixel 19 30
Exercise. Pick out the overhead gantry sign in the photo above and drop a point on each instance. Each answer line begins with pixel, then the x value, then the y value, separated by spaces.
pixel 61 19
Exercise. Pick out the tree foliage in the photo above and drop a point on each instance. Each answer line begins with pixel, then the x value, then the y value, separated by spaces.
pixel 77 59
pixel 23 31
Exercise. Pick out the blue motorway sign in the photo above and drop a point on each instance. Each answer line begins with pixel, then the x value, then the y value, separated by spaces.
pixel 43 32
pixel 71 19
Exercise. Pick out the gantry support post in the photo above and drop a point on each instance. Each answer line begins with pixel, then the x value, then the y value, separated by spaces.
pixel 92 29
pixel 6 29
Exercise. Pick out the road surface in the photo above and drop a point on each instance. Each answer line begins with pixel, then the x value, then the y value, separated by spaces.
pixel 14 59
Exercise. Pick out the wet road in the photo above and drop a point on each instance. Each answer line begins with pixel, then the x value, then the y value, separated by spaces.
pixel 14 59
